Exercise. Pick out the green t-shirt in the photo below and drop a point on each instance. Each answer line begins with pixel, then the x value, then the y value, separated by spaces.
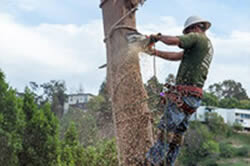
pixel 198 53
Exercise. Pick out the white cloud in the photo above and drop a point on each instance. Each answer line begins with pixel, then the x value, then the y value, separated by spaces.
pixel 73 53
pixel 45 52
pixel 235 45
pixel 48 6
pixel 237 72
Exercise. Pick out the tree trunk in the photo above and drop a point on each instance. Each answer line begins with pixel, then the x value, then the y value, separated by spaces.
pixel 131 116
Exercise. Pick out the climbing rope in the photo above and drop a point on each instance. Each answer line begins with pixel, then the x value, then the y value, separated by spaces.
pixel 116 25
pixel 154 60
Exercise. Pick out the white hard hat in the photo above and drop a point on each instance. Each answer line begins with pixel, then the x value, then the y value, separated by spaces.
pixel 195 20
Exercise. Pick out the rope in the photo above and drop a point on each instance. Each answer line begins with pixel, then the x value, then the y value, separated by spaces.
pixel 115 25
pixel 104 1
pixel 154 61
pixel 117 28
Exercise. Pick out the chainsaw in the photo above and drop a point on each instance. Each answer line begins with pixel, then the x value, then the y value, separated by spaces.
pixel 144 42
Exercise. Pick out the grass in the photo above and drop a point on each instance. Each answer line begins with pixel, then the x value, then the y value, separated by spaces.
pixel 234 162
pixel 237 140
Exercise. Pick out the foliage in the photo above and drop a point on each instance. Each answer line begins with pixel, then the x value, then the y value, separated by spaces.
pixel 203 148
pixel 100 108
pixel 226 150
pixel 243 152
pixel 72 152
pixel 244 104
pixel 237 127
pixel 199 144
pixel 29 135
pixel 96 104
pixel 40 138
pixel 29 130
pixel 208 162
pixel 105 101
pixel 216 124
pixel 228 103
pixel 210 148
pixel 228 89
pixel 104 154
pixel 210 100
pixel 228 94
pixel 53 92
pixel 153 88
pixel 11 124
pixel 85 124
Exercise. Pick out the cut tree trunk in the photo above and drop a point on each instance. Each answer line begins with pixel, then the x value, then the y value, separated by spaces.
pixel 131 116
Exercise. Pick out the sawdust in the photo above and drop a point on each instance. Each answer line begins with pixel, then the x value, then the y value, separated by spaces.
pixel 132 117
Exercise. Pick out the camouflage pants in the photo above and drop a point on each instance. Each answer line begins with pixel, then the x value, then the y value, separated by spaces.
pixel 174 121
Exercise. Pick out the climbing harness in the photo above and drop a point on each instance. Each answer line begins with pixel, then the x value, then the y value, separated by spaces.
pixel 176 93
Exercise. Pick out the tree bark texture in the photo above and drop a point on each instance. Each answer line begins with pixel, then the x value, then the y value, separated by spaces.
pixel 132 119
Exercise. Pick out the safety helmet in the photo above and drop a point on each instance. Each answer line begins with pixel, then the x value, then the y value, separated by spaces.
pixel 195 20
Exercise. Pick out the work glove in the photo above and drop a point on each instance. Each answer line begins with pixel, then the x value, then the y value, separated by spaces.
pixel 155 38
pixel 150 51
pixel 152 40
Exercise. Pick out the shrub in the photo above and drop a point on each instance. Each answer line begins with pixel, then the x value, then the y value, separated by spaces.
pixel 103 154
pixel 72 152
pixel 243 152
pixel 237 127
pixel 210 147
pixel 209 162
pixel 229 131
pixel 199 145
pixel 226 150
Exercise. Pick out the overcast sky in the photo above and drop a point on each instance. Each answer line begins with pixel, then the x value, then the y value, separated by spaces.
pixel 43 40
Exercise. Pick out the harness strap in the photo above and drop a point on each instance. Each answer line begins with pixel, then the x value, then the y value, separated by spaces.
pixel 190 90
pixel 175 94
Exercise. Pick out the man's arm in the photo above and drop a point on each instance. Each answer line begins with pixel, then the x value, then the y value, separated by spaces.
pixel 172 56
pixel 169 40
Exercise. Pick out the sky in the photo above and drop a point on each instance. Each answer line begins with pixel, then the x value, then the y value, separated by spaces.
pixel 43 40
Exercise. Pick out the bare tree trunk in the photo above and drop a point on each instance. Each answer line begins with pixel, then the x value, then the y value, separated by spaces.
pixel 131 117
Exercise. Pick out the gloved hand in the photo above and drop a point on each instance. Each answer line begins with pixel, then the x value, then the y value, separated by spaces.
pixel 150 51
pixel 155 38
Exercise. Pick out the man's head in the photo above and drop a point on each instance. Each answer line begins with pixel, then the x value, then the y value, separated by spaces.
pixel 196 24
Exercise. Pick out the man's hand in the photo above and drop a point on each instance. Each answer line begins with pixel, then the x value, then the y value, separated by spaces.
pixel 150 50
pixel 155 38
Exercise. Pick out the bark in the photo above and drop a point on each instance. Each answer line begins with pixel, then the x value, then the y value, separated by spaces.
pixel 132 120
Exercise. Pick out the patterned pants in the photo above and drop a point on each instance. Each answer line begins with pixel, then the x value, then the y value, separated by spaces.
pixel 173 121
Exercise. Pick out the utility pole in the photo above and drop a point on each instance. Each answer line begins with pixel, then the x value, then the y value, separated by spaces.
pixel 131 116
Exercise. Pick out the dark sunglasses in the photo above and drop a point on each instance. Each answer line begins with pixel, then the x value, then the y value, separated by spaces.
pixel 202 26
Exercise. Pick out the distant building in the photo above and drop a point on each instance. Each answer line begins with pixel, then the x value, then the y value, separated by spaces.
pixel 78 100
pixel 230 116
pixel 20 94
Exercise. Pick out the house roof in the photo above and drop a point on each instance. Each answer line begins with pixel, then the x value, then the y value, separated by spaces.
pixel 81 94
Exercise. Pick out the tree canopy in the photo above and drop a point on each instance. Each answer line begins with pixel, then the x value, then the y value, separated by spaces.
pixel 228 89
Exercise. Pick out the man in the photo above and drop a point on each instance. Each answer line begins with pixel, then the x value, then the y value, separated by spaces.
pixel 185 97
